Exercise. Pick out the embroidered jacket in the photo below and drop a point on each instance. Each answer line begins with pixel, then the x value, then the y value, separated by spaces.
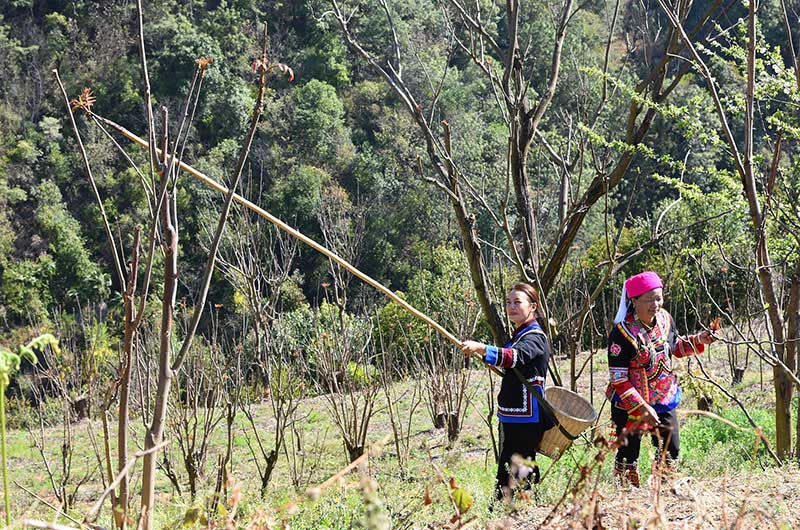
pixel 640 363
pixel 529 353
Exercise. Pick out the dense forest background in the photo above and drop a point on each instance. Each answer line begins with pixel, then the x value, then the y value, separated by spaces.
pixel 628 166
pixel 336 131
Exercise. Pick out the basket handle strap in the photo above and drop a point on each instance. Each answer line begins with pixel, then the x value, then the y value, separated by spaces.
pixel 544 404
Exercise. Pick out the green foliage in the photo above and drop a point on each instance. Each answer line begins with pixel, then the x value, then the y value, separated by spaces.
pixel 76 275
pixel 172 65
pixel 325 60
pixel 362 374
pixel 98 352
pixel 701 389
pixel 444 291
pixel 10 360
pixel 194 517
pixel 283 382
pixel 291 297
pixel 296 197
pixel 718 447
pixel 319 114
pixel 25 289
pixel 399 329
pixel 292 330
pixel 21 415
pixel 24 152
pixel 227 109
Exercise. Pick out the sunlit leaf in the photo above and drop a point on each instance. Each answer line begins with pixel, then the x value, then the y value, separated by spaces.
pixel 462 499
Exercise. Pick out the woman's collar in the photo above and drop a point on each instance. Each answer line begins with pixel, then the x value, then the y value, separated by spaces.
pixel 524 326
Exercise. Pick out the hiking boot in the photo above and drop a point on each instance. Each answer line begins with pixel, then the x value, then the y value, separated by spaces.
pixel 625 473
pixel 666 469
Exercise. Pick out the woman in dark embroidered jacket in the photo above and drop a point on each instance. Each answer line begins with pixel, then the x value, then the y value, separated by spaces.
pixel 643 389
pixel 525 356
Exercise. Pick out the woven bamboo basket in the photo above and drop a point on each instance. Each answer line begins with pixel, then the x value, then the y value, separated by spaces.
pixel 573 412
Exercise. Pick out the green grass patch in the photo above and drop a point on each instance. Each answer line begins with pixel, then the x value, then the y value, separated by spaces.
pixel 712 447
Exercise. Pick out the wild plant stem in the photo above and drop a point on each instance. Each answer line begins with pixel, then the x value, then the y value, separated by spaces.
pixel 6 500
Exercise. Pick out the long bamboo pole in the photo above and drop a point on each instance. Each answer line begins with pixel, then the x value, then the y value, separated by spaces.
pixel 298 235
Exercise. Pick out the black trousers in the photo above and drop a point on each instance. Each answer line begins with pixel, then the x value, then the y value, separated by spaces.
pixel 665 437
pixel 521 439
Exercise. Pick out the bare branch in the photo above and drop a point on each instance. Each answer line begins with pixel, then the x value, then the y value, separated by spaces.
pixel 223 217
pixel 477 26
pixel 109 234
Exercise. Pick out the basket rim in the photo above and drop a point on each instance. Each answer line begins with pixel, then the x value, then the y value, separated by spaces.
pixel 567 415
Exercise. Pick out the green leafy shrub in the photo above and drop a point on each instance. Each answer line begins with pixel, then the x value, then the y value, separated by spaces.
pixel 77 273
pixel 25 288
pixel 718 447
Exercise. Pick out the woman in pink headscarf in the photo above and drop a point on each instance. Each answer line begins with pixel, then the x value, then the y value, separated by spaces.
pixel 643 390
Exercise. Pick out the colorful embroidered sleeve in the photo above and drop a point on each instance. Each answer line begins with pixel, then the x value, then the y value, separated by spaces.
pixel 527 349
pixel 684 346
pixel 620 353
pixel 493 353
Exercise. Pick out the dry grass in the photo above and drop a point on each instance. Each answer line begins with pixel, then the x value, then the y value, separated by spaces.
pixel 770 499
pixel 729 499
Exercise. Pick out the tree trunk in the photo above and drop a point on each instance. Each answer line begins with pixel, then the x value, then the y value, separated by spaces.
pixel 783 384
pixel 121 506
pixel 524 205
pixel 472 247
pixel 156 431
pixel 793 335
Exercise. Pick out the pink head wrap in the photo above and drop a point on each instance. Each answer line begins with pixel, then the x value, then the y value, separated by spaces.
pixel 636 286
pixel 641 283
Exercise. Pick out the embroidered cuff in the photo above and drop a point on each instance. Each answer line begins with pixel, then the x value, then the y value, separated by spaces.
pixel 631 399
pixel 490 357
pixel 689 346
pixel 699 347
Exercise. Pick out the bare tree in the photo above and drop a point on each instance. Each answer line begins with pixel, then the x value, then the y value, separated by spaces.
pixel 523 106
pixel 344 357
pixel 62 476
pixel 197 409
pixel 233 397
pixel 448 392
pixel 783 340
pixel 303 451
pixel 403 392
pixel 344 352
pixel 257 260
pixel 284 398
